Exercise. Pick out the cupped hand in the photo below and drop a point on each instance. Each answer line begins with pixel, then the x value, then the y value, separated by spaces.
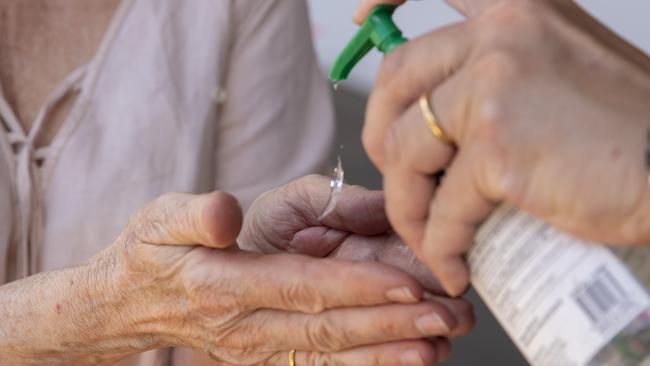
pixel 197 289
pixel 549 112
pixel 286 220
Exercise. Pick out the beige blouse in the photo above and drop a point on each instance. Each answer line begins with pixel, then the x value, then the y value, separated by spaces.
pixel 186 96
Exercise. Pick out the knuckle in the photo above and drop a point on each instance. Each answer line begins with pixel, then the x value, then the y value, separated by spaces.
pixel 488 123
pixel 298 194
pixel 387 328
pixel 147 223
pixel 199 300
pixel 323 335
pixel 309 180
pixel 492 111
pixel 303 297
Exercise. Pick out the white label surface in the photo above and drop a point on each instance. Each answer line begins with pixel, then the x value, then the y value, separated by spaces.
pixel 560 299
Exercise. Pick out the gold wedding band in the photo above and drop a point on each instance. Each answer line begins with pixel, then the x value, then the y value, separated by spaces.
pixel 432 121
pixel 292 357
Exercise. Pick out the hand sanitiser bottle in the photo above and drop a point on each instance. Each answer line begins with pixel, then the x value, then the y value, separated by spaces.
pixel 562 301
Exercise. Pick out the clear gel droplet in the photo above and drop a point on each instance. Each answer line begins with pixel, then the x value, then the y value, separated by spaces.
pixel 336 185
pixel 335 85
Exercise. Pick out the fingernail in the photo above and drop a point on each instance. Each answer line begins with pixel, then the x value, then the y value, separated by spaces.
pixel 411 358
pixel 456 277
pixel 401 294
pixel 465 322
pixel 432 324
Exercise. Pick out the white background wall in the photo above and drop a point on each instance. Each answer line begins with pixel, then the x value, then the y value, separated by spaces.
pixel 333 26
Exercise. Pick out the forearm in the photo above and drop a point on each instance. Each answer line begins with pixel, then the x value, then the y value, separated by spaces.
pixel 74 316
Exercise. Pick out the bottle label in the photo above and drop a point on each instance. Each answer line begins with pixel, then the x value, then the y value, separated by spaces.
pixel 559 298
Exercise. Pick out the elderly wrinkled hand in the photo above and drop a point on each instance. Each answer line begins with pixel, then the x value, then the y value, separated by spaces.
pixel 549 111
pixel 245 308
pixel 175 277
pixel 286 220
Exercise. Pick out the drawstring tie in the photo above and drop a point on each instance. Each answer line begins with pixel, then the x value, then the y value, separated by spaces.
pixel 29 196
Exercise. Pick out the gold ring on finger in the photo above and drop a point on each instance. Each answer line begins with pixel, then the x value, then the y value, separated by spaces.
pixel 432 121
pixel 292 357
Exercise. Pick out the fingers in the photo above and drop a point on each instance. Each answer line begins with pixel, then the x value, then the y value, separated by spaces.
pixel 461 310
pixel 342 329
pixel 359 210
pixel 397 254
pixel 437 221
pixel 406 353
pixel 212 220
pixel 388 249
pixel 457 209
pixel 413 156
pixel 287 218
pixel 365 6
pixel 299 283
pixel 412 70
pixel 317 241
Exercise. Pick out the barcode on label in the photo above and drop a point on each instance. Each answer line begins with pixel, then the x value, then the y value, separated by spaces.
pixel 599 296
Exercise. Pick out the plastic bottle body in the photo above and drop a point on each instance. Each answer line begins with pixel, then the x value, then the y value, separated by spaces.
pixel 563 301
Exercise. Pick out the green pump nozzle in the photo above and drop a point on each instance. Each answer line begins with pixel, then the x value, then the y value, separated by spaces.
pixel 378 30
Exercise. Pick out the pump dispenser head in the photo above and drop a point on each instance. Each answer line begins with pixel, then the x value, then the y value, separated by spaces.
pixel 378 30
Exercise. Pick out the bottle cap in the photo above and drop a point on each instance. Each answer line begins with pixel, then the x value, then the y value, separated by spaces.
pixel 378 30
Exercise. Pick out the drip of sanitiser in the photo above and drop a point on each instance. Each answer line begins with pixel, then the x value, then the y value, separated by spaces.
pixel 336 184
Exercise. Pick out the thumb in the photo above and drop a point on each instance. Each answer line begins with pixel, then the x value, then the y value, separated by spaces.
pixel 212 220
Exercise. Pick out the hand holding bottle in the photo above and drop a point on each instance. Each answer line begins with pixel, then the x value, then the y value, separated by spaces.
pixel 548 110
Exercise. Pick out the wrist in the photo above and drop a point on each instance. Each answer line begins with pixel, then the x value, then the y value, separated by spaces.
pixel 77 315
pixel 138 306
pixel 150 302
pixel 103 313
